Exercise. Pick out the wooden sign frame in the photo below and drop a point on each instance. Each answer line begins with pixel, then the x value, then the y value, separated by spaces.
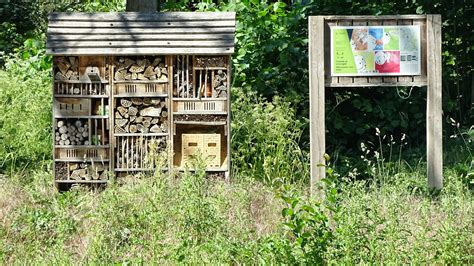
pixel 431 78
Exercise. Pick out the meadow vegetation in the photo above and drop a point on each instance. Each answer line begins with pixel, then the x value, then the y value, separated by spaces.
pixel 376 209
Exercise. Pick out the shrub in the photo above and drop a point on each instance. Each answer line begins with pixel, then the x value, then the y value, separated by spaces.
pixel 265 138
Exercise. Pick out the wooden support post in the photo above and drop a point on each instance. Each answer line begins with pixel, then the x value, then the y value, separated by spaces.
pixel 316 87
pixel 434 128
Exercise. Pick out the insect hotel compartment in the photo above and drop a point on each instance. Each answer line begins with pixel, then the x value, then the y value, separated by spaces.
pixel 141 115
pixel 198 77
pixel 80 171
pixel 139 153
pixel 141 68
pixel 82 69
pixel 194 140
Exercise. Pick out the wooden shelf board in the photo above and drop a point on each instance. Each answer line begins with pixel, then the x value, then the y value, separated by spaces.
pixel 200 113
pixel 207 123
pixel 83 116
pixel 198 99
pixel 137 95
pixel 87 160
pixel 82 181
pixel 81 146
pixel 80 81
pixel 139 81
pixel 140 134
pixel 182 169
pixel 137 169
pixel 210 68
pixel 79 96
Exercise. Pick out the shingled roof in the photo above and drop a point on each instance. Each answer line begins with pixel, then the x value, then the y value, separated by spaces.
pixel 141 33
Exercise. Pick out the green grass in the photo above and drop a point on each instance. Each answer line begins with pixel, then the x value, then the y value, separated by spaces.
pixel 264 215
pixel 195 220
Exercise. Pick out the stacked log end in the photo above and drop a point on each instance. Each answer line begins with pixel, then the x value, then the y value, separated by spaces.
pixel 66 68
pixel 220 84
pixel 141 115
pixel 141 69
pixel 83 171
pixel 75 132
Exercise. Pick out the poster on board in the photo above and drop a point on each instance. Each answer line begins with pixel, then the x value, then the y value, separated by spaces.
pixel 375 50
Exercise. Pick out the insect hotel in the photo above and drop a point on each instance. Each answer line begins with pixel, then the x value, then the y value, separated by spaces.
pixel 139 92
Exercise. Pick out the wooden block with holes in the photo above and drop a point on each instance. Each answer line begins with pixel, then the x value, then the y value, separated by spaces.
pixel 74 154
pixel 71 107
pixel 206 145
pixel 199 107
pixel 141 89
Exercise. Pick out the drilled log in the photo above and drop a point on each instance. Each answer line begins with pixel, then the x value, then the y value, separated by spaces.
pixel 133 129
pixel 155 129
pixel 132 111
pixel 125 103
pixel 137 101
pixel 119 129
pixel 121 122
pixel 122 110
pixel 150 111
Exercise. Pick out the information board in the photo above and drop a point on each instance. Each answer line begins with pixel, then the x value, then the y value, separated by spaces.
pixel 375 50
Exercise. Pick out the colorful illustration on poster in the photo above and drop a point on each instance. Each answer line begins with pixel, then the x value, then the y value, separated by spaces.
pixel 375 50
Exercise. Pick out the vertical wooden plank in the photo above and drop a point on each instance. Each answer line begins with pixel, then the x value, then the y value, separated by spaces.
pixel 229 117
pixel 434 128
pixel 109 93
pixel 327 51
pixel 316 90
pixel 53 113
pixel 169 103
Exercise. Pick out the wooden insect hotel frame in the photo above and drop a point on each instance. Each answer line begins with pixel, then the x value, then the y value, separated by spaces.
pixel 321 78
pixel 139 92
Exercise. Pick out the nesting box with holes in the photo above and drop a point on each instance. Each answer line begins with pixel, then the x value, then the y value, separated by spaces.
pixel 206 146
pixel 133 92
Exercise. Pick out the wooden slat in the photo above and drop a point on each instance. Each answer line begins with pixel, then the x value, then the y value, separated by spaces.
pixel 316 94
pixel 327 51
pixel 137 32
pixel 140 16
pixel 99 44
pixel 385 83
pixel 141 33
pixel 140 51
pixel 143 24
pixel 375 17
pixel 139 37
pixel 434 125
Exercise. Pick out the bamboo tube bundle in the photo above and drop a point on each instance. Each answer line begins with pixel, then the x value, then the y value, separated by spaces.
pixel 72 133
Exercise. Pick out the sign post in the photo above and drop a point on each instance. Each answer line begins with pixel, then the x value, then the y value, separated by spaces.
pixel 375 51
